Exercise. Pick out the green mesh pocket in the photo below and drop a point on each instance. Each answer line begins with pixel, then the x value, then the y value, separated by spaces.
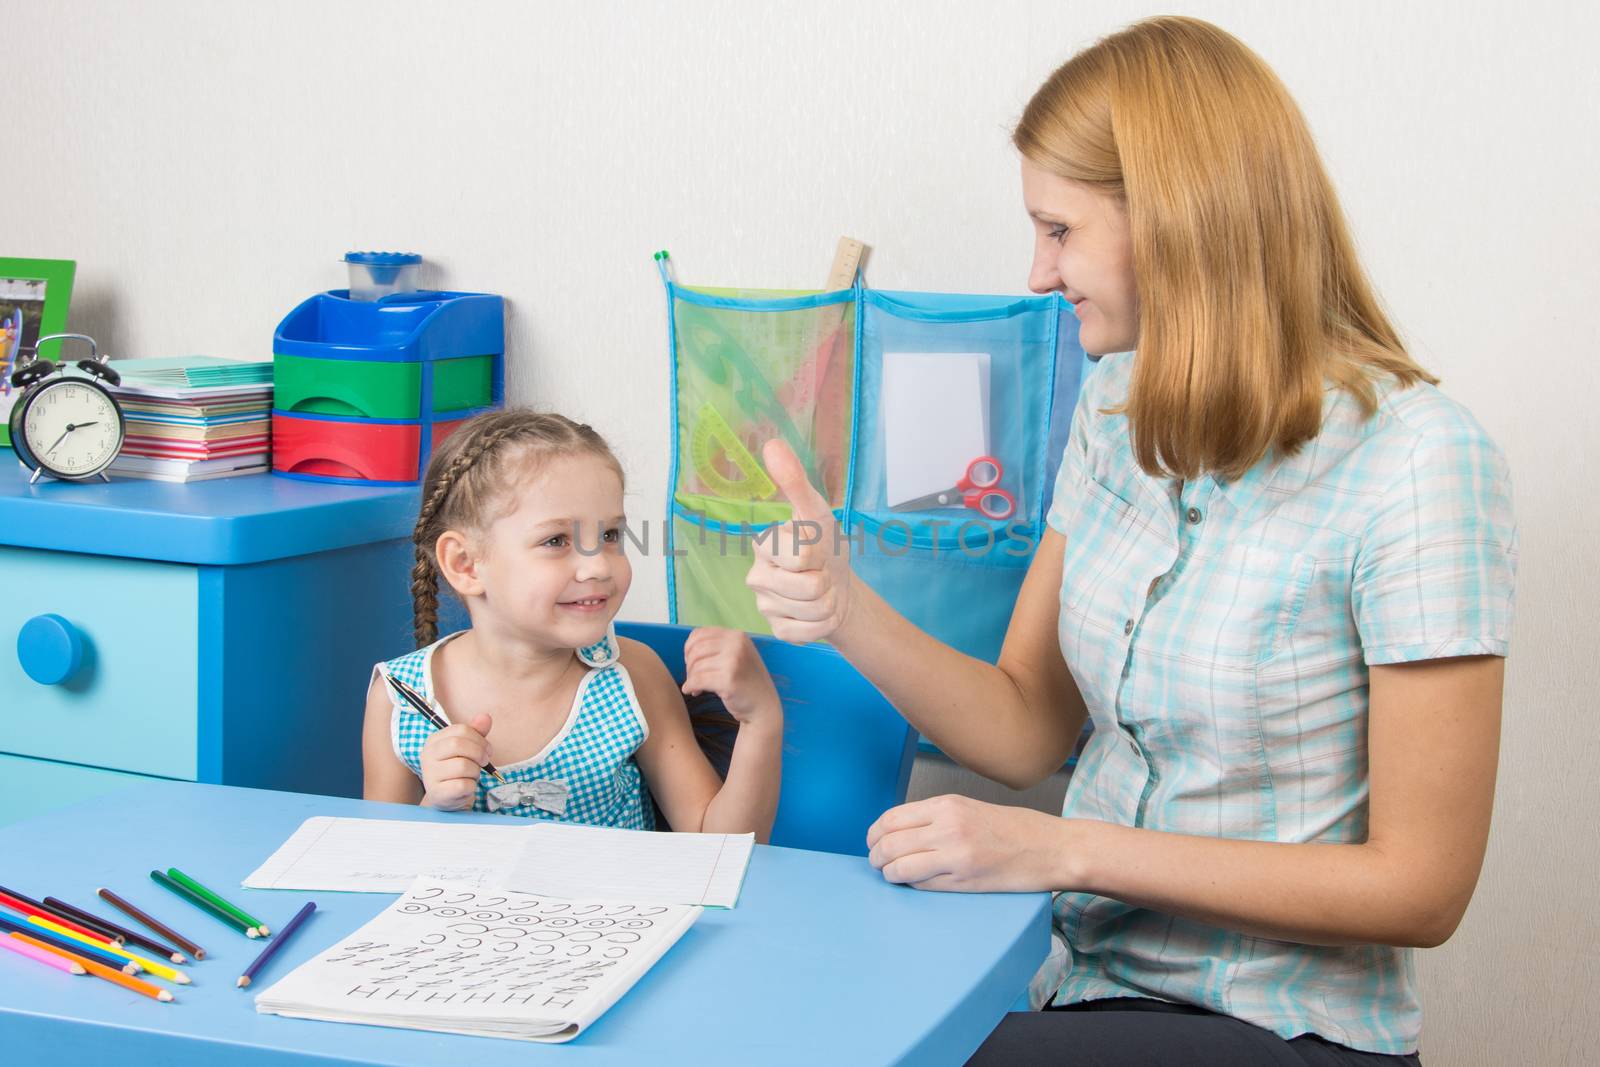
pixel 709 562
pixel 750 370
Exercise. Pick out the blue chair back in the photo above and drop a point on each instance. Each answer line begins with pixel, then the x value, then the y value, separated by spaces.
pixel 847 753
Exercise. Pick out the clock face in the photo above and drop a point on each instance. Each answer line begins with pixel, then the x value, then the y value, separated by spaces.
pixel 73 428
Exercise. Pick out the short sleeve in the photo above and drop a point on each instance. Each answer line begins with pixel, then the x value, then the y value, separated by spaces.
pixel 1436 569
pixel 1074 463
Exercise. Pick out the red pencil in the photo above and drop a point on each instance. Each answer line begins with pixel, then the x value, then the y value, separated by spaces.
pixel 29 906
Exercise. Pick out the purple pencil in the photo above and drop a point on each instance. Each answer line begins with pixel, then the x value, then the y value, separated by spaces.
pixel 276 943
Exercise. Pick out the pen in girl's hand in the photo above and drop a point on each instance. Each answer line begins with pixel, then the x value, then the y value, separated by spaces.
pixel 412 697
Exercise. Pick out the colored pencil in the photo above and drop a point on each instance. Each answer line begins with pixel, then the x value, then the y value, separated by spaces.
pixel 160 970
pixel 122 933
pixel 276 943
pixel 23 929
pixel 110 974
pixel 28 905
pixel 44 956
pixel 414 698
pixel 233 909
pixel 203 904
pixel 159 927
pixel 95 925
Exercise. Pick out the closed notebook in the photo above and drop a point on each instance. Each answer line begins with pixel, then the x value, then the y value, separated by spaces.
pixel 458 959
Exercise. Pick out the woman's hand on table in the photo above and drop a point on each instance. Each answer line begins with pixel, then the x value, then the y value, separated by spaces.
pixel 957 844
pixel 801 576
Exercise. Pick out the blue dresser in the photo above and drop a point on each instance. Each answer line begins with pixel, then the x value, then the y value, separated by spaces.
pixel 217 632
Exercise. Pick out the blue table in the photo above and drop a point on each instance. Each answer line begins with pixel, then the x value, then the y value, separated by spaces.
pixel 822 962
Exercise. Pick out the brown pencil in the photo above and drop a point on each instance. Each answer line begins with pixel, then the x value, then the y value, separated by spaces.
pixel 123 935
pixel 159 927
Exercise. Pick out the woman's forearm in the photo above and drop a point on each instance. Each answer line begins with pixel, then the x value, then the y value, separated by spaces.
pixel 974 711
pixel 1318 894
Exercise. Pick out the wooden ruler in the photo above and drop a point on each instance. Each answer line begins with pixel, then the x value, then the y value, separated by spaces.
pixel 846 262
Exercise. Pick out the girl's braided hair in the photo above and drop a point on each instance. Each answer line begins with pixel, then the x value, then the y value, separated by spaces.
pixel 468 477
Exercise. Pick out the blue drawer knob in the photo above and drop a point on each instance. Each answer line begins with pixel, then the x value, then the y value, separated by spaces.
pixel 50 649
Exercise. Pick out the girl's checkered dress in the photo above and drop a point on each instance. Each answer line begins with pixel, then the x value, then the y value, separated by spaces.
pixel 588 768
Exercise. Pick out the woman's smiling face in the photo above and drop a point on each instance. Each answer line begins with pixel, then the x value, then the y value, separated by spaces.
pixel 1083 249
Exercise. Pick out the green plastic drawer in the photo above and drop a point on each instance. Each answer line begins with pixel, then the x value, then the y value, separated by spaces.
pixel 376 389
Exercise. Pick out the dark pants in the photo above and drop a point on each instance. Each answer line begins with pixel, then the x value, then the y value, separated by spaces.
pixel 1132 1032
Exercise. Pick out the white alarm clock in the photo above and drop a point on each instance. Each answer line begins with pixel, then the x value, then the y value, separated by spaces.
pixel 66 426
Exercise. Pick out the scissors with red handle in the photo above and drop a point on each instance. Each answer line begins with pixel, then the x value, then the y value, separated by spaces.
pixel 978 489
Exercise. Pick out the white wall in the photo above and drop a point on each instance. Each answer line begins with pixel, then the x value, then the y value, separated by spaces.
pixel 207 163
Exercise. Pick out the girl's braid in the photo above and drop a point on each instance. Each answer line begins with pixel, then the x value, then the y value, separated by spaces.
pixel 424 574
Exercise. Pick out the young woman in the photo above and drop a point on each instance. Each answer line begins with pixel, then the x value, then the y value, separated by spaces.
pixel 1278 578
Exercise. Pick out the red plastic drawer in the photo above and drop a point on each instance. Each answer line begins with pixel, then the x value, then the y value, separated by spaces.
pixel 333 448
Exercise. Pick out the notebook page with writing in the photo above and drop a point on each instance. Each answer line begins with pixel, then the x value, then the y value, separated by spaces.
pixel 382 856
pixel 385 856
pixel 564 860
pixel 489 963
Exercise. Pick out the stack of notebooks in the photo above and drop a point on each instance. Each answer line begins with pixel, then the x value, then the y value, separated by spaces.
pixel 529 932
pixel 191 418
pixel 459 959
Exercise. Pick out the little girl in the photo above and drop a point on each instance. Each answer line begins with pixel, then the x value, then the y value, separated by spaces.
pixel 522 515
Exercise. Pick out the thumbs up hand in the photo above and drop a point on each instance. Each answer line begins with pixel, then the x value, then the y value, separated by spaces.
pixel 801 575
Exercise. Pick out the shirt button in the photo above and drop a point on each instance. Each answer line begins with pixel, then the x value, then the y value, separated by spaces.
pixel 1127 628
pixel 1194 516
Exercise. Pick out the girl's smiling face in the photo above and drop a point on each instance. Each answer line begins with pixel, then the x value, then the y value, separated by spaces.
pixel 1083 249
pixel 552 569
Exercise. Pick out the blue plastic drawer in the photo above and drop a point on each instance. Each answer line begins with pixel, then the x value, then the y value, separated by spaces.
pixel 132 702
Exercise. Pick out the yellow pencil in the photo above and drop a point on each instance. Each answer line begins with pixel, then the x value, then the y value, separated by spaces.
pixel 160 970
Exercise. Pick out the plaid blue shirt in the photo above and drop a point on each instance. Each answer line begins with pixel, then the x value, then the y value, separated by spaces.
pixel 591 756
pixel 1221 635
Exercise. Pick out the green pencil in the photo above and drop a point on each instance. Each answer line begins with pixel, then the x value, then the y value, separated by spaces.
pixel 237 912
pixel 161 879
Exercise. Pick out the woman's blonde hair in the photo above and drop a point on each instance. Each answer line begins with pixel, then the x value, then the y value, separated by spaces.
pixel 470 476
pixel 1250 293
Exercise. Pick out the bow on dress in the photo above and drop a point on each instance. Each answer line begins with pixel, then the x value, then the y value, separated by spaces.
pixel 544 794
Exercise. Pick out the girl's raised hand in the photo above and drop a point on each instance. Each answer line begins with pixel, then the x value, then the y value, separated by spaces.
pixel 725 662
pixel 451 760
pixel 801 575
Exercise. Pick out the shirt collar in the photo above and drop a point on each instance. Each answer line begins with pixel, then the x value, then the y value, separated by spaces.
pixel 1245 492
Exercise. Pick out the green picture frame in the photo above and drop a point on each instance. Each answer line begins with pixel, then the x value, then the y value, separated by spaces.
pixel 38 315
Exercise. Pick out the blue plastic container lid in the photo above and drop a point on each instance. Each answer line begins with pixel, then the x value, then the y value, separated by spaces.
pixel 383 259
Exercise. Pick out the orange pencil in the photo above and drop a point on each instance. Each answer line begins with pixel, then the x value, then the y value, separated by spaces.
pixel 100 970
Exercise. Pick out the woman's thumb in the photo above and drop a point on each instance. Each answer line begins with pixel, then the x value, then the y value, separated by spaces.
pixel 787 473
pixel 481 723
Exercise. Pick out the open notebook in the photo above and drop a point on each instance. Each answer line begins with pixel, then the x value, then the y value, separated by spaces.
pixel 385 856
pixel 486 963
